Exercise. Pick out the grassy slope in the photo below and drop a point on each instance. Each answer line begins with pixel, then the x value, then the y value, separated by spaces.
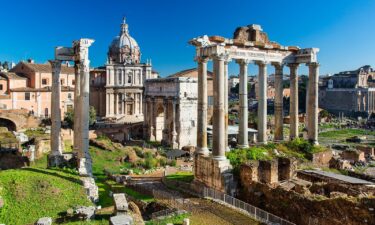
pixel 26 190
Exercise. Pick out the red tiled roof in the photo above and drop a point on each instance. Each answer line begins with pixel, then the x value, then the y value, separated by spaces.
pixel 47 68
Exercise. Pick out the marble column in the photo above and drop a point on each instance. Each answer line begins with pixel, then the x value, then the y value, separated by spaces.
pixel 218 136
pixel 226 106
pixel 77 109
pixel 81 49
pixel 202 107
pixel 278 104
pixel 56 149
pixel 312 131
pixel 243 139
pixel 262 102
pixel 174 121
pixel 293 112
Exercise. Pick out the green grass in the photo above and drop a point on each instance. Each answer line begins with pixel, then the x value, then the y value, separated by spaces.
pixel 345 133
pixel 181 176
pixel 7 137
pixel 36 133
pixel 178 219
pixel 33 193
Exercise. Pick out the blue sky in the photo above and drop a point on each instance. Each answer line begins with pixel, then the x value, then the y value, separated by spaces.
pixel 344 30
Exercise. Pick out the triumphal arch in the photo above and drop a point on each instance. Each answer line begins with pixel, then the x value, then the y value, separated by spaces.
pixel 249 45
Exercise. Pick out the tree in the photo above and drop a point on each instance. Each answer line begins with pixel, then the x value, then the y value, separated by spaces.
pixel 5 65
pixel 69 117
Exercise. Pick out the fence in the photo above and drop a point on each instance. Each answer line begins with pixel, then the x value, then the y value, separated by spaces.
pixel 252 211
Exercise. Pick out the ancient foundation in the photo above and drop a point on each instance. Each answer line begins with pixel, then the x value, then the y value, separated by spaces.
pixel 213 173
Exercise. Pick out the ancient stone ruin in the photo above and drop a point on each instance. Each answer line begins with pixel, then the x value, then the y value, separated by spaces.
pixel 249 45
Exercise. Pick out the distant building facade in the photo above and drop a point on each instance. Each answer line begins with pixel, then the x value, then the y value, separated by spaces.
pixel 349 92
pixel 117 88
pixel 28 86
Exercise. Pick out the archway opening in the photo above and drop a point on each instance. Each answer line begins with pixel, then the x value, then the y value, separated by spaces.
pixel 8 124
pixel 159 119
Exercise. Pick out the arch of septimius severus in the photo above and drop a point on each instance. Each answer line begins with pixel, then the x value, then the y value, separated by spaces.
pixel 249 45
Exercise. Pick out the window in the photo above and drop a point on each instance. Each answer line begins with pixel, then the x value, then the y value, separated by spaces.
pixel 46 112
pixel 1 87
pixel 27 96
pixel 69 95
pixel 44 81
pixel 129 78
pixel 73 82
pixel 210 100
pixel 62 81
pixel 119 77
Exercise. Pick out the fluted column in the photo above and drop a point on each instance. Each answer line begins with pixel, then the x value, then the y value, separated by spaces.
pixel 262 102
pixel 56 149
pixel 218 145
pixel 278 106
pixel 312 131
pixel 202 107
pixel 226 99
pixel 293 112
pixel 243 139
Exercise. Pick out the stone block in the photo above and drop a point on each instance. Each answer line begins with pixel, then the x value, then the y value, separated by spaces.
pixel 85 212
pixel 44 221
pixel 121 204
pixel 121 220
pixel 213 173
pixel 92 190
pixel 186 221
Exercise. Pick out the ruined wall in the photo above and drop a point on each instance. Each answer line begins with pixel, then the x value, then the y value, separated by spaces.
pixel 322 158
pixel 309 210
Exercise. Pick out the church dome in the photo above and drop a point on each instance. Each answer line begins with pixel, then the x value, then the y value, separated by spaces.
pixel 124 49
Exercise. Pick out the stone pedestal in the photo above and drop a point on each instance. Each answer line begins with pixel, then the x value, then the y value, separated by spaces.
pixel 55 160
pixel 213 173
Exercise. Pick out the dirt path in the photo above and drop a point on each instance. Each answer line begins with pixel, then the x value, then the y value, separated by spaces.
pixel 206 212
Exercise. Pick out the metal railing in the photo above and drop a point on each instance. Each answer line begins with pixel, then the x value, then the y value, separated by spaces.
pixel 244 207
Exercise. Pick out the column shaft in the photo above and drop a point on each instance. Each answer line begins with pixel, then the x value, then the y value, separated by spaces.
pixel 313 103
pixel 262 103
pixel 279 115
pixel 226 99
pixel 293 112
pixel 218 145
pixel 202 107
pixel 77 109
pixel 243 139
pixel 55 109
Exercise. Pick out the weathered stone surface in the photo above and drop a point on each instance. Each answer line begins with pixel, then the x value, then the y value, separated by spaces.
pixel 134 208
pixel 44 221
pixel 92 190
pixel 186 221
pixel 213 173
pixel 85 212
pixel 121 220
pixel 121 204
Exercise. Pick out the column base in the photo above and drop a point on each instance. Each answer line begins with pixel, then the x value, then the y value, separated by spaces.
pixel 219 158
pixel 314 142
pixel 202 151
pixel 85 167
pixel 243 146
pixel 214 173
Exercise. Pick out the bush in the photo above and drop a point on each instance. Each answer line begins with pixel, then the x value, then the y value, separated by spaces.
pixel 173 162
pixel 150 163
